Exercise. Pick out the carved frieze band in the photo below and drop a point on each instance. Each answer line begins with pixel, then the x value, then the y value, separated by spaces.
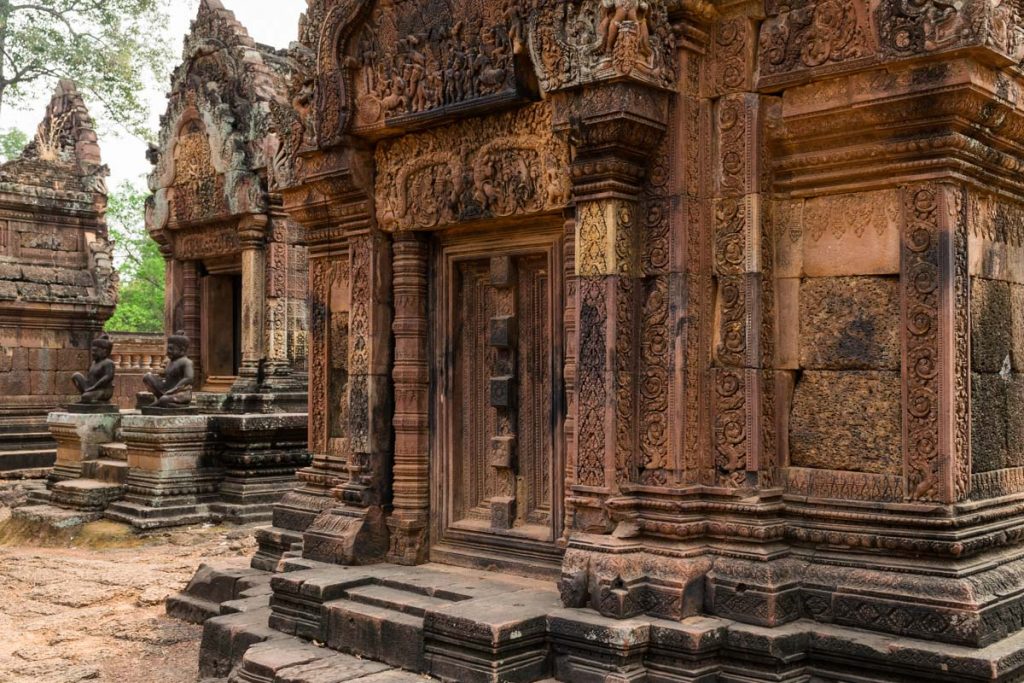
pixel 833 35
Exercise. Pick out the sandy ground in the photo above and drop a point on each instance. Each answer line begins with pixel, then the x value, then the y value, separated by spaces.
pixel 90 608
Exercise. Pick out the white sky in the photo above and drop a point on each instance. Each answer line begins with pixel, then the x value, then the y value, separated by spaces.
pixel 272 22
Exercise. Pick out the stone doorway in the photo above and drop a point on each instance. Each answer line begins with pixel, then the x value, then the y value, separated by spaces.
pixel 496 465
pixel 221 320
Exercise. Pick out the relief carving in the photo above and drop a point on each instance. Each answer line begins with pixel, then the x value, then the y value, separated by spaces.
pixel 592 392
pixel 501 165
pixel 921 301
pixel 829 32
pixel 411 58
pixel 574 44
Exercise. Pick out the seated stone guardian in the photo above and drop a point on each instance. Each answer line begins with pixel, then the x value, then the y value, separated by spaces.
pixel 97 386
pixel 174 389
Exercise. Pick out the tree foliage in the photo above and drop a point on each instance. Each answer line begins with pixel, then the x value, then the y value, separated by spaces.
pixel 139 263
pixel 12 142
pixel 106 46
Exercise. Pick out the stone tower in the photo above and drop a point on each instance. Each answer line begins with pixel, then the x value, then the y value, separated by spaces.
pixel 57 282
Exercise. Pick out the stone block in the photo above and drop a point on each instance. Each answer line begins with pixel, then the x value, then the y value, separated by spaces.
pixel 1017 326
pixel 16 383
pixel 8 290
pixel 42 382
pixel 989 421
pixel 31 290
pixel 850 323
pixel 851 234
pixel 1015 421
pixel 42 359
pixel 991 325
pixel 787 328
pixel 847 421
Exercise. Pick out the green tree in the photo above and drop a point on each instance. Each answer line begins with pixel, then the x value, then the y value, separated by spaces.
pixel 12 142
pixel 106 46
pixel 139 263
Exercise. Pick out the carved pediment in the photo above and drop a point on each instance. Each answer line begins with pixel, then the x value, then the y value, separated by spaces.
pixel 404 65
pixel 198 190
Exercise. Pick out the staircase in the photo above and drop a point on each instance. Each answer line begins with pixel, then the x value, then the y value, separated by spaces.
pixel 102 482
pixel 383 623
pixel 27 449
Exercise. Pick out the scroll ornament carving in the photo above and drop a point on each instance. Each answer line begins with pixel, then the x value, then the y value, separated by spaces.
pixel 500 165
pixel 731 437
pixel 575 44
pixel 921 292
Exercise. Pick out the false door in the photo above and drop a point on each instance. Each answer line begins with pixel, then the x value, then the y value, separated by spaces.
pixel 496 471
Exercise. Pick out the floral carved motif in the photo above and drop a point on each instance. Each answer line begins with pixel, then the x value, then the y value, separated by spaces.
pixel 592 392
pixel 197 244
pixel 828 32
pixel 731 428
pixel 493 166
pixel 921 284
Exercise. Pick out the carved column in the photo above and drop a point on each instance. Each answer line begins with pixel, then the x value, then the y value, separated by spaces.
pixel 277 370
pixel 190 313
pixel 252 233
pixel 357 410
pixel 409 521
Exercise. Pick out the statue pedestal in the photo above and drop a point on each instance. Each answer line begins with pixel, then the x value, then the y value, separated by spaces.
pixel 79 437
pixel 261 454
pixel 173 477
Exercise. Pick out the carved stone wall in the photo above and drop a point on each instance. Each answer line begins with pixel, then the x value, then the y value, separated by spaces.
pixel 57 282
pixel 781 239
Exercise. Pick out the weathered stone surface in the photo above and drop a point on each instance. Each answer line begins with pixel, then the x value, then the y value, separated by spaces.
pixel 57 283
pixel 991 325
pixel 849 324
pixel 847 421
pixel 989 421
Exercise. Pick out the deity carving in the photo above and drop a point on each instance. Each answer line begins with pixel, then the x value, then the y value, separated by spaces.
pixel 410 60
pixel 174 389
pixel 97 385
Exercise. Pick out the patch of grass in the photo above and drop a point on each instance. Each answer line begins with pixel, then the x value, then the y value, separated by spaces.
pixel 41 533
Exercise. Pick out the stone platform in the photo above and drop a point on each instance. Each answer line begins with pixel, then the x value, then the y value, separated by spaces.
pixel 469 626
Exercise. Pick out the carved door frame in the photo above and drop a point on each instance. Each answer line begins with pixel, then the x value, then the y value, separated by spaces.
pixel 541 235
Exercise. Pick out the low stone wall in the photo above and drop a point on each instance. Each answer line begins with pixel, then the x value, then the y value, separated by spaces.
pixel 135 355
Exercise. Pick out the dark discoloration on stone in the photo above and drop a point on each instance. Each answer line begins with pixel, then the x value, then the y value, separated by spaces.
pixel 847 421
pixel 850 323
pixel 988 422
pixel 991 325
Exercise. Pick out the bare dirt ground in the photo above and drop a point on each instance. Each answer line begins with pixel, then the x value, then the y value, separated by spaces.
pixel 89 607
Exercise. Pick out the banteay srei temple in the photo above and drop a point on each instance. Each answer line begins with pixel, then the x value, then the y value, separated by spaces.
pixel 593 341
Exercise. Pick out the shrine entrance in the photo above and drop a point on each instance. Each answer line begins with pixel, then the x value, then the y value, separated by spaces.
pixel 221 325
pixel 496 465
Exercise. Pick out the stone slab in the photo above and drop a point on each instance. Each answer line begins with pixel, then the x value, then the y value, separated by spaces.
pixel 850 323
pixel 847 421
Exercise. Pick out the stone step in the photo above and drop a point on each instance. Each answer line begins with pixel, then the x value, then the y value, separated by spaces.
pixel 85 494
pixel 214 584
pixel 114 451
pixel 395 599
pixel 33 457
pixel 106 469
pixel 294 661
pixel 379 633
